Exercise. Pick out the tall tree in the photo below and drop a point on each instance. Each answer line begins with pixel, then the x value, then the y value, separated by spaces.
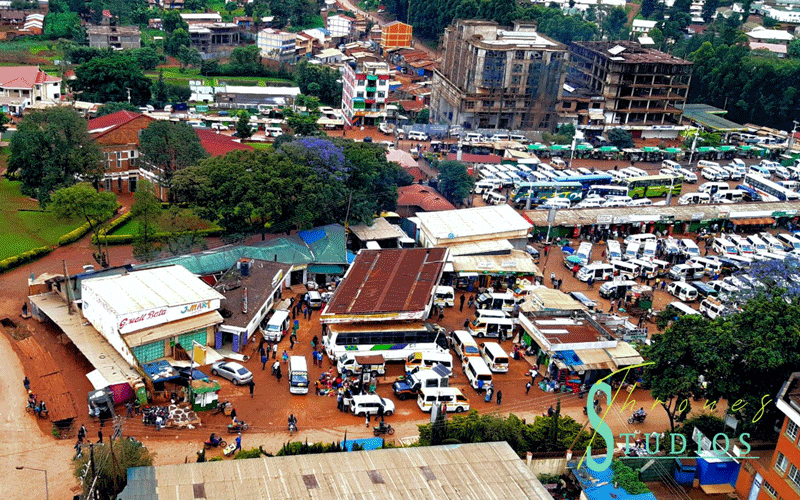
pixel 243 130
pixel 168 147
pixel 112 107
pixel 614 24
pixel 146 210
pixel 648 7
pixel 620 138
pixel 82 202
pixel 455 183
pixel 114 78
pixel 52 149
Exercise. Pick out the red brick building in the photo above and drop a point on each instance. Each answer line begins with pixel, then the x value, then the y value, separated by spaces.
pixel 777 477
pixel 117 135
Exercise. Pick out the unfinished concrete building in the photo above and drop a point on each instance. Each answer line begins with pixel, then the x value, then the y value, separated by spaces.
pixel 496 77
pixel 624 84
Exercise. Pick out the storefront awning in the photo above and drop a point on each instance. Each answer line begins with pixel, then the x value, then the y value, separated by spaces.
pixel 325 269
pixel 169 330
pixel 758 221
pixel 624 355
pixel 584 360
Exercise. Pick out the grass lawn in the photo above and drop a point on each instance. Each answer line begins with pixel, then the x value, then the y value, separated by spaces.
pixel 131 227
pixel 22 231
pixel 260 145
pixel 174 75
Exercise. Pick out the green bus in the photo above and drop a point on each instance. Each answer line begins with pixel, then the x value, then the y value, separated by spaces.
pixel 653 185
pixel 539 192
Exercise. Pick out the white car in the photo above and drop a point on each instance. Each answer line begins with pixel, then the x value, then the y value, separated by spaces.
pixel 369 404
pixel 783 173
pixel 616 201
pixel 591 203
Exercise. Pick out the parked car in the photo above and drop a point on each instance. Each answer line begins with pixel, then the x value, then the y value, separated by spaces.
pixel 232 371
pixel 369 405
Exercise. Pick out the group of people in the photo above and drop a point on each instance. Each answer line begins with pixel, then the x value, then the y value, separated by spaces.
pixel 38 407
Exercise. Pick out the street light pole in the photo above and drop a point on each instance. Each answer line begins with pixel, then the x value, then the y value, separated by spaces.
pixel 791 137
pixel 46 488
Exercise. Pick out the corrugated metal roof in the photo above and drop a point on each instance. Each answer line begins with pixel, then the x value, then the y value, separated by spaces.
pixel 388 281
pixel 472 222
pixel 460 472
pixel 379 230
pixel 515 261
pixel 152 288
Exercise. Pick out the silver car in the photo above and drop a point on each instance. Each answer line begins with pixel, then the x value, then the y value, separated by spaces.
pixel 232 371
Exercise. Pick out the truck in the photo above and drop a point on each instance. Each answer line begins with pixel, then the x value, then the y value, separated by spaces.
pixel 354 364
pixel 409 386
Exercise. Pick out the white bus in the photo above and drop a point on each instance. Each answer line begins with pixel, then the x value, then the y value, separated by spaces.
pixel 771 191
pixel 394 340
pixel 607 190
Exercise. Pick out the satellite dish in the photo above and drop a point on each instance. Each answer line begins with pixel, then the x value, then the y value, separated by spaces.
pixel 451 236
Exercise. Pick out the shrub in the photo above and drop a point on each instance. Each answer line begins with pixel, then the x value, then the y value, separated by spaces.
pixel 628 479
pixel 114 224
pixel 24 257
pixel 74 235
pixel 125 239
pixel 251 453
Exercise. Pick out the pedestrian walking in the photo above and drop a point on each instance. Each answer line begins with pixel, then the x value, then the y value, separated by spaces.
pixel 314 357
pixel 366 421
pixel 527 388
pixel 441 313
pixel 291 341
pixel 663 284
pixel 81 433
pixel 252 386
pixel 263 361
pixel 238 442
pixel 27 383
pixel 285 356
pixel 278 374
pixel 100 436
pixel 314 342
pixel 611 309
pixel 461 304
pixel 274 350
pixel 129 409
pixel 499 396
pixel 553 278
pixel 466 323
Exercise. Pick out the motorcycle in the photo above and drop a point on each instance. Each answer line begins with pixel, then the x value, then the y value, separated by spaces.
pixel 597 409
pixel 238 427
pixel 383 429
pixel 215 442
pixel 637 417
pixel 221 407
pixel 292 428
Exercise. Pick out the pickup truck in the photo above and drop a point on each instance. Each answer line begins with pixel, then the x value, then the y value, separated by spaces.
pixel 410 385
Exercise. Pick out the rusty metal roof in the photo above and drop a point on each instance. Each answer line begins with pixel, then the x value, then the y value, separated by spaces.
pixel 388 281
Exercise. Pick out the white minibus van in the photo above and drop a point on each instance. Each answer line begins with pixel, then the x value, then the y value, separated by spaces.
pixel 450 399
pixel 683 291
pixel 597 271
pixel 444 296
pixel 494 355
pixel 464 345
pixel 478 374
pixel 723 246
pixel 682 309
pixel 613 250
pixel 298 375
pixel 641 238
pixel 772 242
pixel 790 243
pixel 277 326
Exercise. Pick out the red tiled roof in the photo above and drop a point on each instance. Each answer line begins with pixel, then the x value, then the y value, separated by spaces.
pixel 23 77
pixel 471 158
pixel 219 144
pixel 417 173
pixel 424 197
pixel 103 123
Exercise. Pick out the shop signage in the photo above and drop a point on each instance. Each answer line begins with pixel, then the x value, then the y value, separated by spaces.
pixel 192 309
pixel 604 219
pixel 785 213
pixel 724 214
pixel 131 322
pixel 622 219
pixel 698 216
pixel 667 218
pixel 127 323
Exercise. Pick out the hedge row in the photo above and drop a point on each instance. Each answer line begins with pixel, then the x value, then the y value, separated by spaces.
pixel 114 224
pixel 22 258
pixel 78 232
pixel 125 239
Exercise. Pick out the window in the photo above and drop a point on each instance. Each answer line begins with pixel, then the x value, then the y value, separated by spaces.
pixel 361 83
pixel 488 104
pixel 770 490
pixel 794 476
pixel 381 94
pixel 791 431
pixel 781 463
pixel 470 105
pixel 520 54
pixel 360 94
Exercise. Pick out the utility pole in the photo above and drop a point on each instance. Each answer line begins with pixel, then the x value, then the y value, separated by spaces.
pixel 66 288
pixel 94 474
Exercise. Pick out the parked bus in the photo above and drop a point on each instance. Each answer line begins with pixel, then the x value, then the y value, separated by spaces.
pixel 653 186
pixel 609 190
pixel 541 191
pixel 395 341
pixel 587 181
pixel 770 191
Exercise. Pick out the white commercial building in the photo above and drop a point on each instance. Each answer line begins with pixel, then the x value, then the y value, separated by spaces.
pixel 339 26
pixel 643 25
pixel 764 35
pixel 454 227
pixel 144 314
pixel 277 45
pixel 778 13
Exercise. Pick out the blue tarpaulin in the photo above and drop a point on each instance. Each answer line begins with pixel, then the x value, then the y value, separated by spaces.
pixel 599 486
pixel 570 358
pixel 160 371
pixel 366 444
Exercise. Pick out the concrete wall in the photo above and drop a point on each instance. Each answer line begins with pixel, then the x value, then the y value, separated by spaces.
pixel 548 466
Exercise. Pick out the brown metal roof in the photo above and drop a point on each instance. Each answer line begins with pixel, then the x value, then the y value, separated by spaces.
pixel 389 281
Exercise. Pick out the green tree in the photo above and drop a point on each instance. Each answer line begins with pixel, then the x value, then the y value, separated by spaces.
pixel 455 183
pixel 112 107
pixel 183 231
pixel 52 149
pixel 246 60
pixel 243 130
pixel 111 79
pixel 303 122
pixel 175 40
pixel 63 25
pixel 709 10
pixel 111 469
pixel 319 81
pixel 82 202
pixel 188 57
pixel 648 7
pixel 553 428
pixel 567 130
pixel 146 210
pixel 794 49
pixel 172 20
pixel 620 138
pixel 168 147
pixel 424 116
pixel 4 121
pixel 615 24
pixel 160 89
pixel 148 58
